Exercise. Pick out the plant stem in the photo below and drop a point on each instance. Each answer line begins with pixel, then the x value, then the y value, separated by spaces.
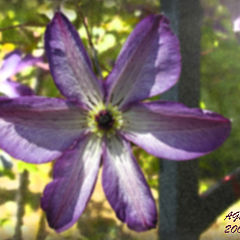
pixel 20 200
pixel 89 36
pixel 42 233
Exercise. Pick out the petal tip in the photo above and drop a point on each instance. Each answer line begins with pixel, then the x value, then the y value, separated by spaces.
pixel 144 227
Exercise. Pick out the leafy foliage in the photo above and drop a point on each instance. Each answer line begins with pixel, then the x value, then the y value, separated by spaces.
pixel 220 84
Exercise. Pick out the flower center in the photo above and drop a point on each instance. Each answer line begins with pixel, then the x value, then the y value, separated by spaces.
pixel 104 120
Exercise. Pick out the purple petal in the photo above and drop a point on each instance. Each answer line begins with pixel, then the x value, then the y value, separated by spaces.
pixel 28 61
pixel 69 63
pixel 13 63
pixel 15 89
pixel 148 64
pixel 173 131
pixel 38 129
pixel 75 174
pixel 10 64
pixel 126 188
pixel 236 24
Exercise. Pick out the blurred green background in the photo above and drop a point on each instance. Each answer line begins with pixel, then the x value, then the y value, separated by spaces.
pixel 22 26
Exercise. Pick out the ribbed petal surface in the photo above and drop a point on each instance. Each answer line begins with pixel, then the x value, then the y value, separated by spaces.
pixel 148 64
pixel 126 188
pixel 38 129
pixel 173 131
pixel 75 174
pixel 69 63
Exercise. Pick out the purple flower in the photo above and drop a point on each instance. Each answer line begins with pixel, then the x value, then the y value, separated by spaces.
pixel 236 24
pixel 98 120
pixel 13 64
pixel 234 10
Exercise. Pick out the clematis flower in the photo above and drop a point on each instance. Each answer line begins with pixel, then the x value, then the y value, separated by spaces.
pixel 96 122
pixel 13 63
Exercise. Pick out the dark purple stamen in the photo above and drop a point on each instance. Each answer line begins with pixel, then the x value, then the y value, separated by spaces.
pixel 104 120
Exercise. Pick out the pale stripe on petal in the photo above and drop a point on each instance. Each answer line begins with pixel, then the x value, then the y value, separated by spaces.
pixel 126 188
pixel 69 63
pixel 149 63
pixel 173 131
pixel 75 174
pixel 38 129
